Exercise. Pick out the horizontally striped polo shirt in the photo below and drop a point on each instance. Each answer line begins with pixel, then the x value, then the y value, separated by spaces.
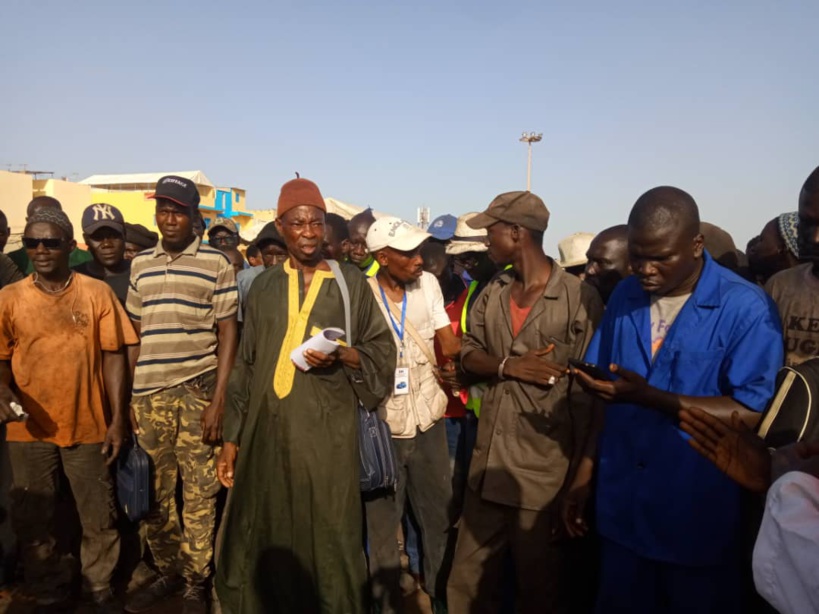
pixel 177 302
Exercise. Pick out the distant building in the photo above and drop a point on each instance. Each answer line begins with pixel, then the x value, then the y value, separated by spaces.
pixel 126 192
pixel 16 191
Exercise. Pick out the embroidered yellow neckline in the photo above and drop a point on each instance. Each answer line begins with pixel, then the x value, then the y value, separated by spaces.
pixel 296 326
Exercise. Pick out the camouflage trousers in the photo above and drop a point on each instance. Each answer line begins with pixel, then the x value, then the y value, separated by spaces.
pixel 171 434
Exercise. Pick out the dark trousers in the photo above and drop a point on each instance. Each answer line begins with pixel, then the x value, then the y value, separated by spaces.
pixel 8 546
pixel 631 584
pixel 489 534
pixel 460 440
pixel 461 434
pixel 424 478
pixel 35 471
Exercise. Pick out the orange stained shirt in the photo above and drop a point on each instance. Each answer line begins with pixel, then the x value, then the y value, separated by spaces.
pixel 55 344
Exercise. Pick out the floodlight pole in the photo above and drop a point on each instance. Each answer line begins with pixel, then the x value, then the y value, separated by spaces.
pixel 529 138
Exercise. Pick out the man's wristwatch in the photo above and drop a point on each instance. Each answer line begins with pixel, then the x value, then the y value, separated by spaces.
pixel 500 368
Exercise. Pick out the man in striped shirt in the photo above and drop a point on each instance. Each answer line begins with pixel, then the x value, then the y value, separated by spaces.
pixel 183 301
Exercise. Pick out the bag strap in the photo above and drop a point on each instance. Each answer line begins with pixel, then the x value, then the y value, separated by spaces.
pixel 416 336
pixel 355 377
pixel 345 298
pixel 773 410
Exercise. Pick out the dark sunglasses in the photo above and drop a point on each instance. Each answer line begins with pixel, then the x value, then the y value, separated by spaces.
pixel 229 240
pixel 31 243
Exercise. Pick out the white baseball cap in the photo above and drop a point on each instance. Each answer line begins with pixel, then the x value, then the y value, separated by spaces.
pixel 573 249
pixel 466 238
pixel 395 233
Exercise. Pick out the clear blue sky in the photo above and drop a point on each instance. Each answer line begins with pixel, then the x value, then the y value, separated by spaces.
pixel 401 104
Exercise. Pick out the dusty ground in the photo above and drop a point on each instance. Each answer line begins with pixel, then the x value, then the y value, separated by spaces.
pixel 414 603
pixel 13 601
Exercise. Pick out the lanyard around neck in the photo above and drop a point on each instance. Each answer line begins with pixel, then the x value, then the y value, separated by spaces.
pixel 398 330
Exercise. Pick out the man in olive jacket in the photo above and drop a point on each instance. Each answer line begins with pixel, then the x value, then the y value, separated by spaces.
pixel 523 329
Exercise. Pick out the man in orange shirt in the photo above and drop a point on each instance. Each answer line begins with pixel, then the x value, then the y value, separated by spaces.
pixel 62 394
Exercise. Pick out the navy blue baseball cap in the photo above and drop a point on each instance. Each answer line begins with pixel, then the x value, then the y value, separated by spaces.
pixel 443 227
pixel 102 215
pixel 180 190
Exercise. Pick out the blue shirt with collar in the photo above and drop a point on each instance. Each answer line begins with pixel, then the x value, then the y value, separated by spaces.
pixel 656 495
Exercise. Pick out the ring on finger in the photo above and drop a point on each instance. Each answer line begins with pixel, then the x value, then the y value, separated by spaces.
pixel 552 380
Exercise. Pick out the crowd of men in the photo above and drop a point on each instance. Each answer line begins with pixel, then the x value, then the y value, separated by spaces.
pixel 569 436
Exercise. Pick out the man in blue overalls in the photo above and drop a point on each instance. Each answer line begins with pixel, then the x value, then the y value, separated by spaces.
pixel 682 332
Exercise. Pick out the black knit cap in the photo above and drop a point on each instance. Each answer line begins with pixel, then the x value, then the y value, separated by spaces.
pixel 50 215
pixel 139 235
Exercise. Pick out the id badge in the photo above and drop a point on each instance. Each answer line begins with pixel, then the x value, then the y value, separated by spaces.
pixel 401 381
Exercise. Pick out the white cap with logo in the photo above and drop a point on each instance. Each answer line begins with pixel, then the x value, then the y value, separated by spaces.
pixel 395 233
pixel 466 238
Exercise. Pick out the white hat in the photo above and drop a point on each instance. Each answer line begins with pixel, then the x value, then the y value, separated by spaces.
pixel 467 239
pixel 573 249
pixel 395 233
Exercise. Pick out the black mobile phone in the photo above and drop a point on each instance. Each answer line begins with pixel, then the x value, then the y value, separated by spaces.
pixel 590 369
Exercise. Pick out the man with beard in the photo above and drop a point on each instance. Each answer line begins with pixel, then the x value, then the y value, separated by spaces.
pixel 681 332
pixel 103 230
pixel 292 538
pixel 796 290
pixel 608 263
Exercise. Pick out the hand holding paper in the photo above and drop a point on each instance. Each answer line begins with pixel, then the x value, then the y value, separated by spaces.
pixel 326 342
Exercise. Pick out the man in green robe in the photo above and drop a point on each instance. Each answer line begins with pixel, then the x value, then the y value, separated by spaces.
pixel 292 534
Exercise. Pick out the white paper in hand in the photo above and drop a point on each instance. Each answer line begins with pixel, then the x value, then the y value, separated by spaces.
pixel 22 415
pixel 326 341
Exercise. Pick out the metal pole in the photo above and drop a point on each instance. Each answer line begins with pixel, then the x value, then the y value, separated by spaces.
pixel 529 170
pixel 530 138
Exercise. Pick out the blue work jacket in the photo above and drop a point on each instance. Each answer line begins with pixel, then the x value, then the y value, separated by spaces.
pixel 656 495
